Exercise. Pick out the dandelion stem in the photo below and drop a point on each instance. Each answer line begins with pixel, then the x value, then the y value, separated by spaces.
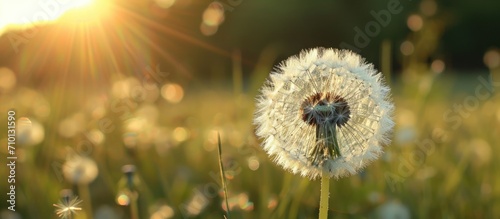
pixel 134 209
pixel 324 197
pixel 83 189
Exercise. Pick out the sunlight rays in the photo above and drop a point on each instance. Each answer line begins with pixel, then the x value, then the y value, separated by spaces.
pixel 23 14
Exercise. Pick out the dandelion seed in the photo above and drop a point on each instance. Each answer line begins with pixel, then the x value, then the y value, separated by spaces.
pixel 325 111
pixel 67 207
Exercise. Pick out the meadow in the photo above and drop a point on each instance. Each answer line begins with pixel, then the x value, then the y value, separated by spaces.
pixel 440 164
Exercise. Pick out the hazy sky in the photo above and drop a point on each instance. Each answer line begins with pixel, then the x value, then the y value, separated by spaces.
pixel 19 12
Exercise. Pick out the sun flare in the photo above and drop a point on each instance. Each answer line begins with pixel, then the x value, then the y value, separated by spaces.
pixel 24 14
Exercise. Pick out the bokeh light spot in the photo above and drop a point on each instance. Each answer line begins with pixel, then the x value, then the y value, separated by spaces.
pixel 25 122
pixel 123 200
pixel 208 30
pixel 130 139
pixel 492 59
pixel 173 93
pixel 428 7
pixel 415 22
pixel 214 14
pixel 438 66
pixel 7 80
pixel 253 163
pixel 165 3
pixel 164 212
pixel 30 132
pixel 407 48
pixel 273 202
pixel 180 134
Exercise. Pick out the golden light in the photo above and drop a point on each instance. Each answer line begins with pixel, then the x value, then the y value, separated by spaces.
pixel 492 58
pixel 253 163
pixel 180 134
pixel 164 212
pixel 22 14
pixel 214 14
pixel 407 48
pixel 173 93
pixel 428 7
pixel 415 22
pixel 165 3
pixel 89 45
pixel 123 200
pixel 438 66
pixel 208 30
pixel 7 80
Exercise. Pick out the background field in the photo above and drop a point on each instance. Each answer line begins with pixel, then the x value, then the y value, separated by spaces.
pixel 140 83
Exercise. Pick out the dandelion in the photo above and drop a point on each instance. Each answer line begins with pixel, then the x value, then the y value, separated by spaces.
pixel 67 206
pixel 129 196
pixel 81 171
pixel 324 113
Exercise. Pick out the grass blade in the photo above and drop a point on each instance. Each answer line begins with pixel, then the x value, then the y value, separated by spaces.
pixel 222 175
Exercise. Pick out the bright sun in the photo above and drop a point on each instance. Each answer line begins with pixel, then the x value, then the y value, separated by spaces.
pixel 21 14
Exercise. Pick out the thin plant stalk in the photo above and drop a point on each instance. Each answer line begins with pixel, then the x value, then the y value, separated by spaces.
pixel 222 175
pixel 134 208
pixel 324 197
pixel 83 189
pixel 385 60
pixel 237 72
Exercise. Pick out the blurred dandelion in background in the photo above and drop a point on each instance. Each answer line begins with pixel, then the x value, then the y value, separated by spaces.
pixel 392 209
pixel 30 132
pixel 128 194
pixel 79 169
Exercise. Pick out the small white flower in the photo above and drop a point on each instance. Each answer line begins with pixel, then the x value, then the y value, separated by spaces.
pixel 67 207
pixel 325 110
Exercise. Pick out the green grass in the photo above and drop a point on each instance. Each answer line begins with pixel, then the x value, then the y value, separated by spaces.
pixel 457 180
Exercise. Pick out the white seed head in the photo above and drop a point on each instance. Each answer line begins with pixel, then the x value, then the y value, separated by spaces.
pixel 326 110
pixel 80 170
pixel 68 207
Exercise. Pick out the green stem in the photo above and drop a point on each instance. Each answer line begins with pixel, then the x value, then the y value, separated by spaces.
pixel 83 190
pixel 134 208
pixel 324 198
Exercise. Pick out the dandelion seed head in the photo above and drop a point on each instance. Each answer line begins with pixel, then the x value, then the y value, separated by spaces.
pixel 80 170
pixel 67 207
pixel 325 110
